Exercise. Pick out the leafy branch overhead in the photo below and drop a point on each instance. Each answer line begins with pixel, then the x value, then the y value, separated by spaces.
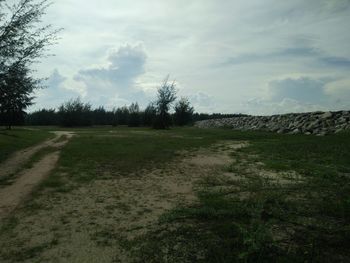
pixel 23 40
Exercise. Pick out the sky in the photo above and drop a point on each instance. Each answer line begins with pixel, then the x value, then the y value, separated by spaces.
pixel 230 56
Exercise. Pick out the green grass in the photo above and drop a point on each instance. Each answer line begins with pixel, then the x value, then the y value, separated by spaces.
pixel 93 154
pixel 222 227
pixel 17 139
pixel 309 155
pixel 303 222
pixel 252 220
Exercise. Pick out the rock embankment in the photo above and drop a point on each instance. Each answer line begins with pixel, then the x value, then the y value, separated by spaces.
pixel 317 123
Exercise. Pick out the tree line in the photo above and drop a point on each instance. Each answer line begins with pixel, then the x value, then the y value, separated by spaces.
pixel 160 114
pixel 76 113
pixel 118 116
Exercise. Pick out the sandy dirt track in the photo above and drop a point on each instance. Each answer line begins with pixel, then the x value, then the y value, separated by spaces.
pixel 12 195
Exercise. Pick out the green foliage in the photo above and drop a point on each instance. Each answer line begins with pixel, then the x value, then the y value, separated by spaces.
pixel 121 116
pixel 134 119
pixel 22 42
pixel 75 113
pixel 16 87
pixel 166 96
pixel 102 117
pixel 150 114
pixel 183 112
pixel 205 116
pixel 42 117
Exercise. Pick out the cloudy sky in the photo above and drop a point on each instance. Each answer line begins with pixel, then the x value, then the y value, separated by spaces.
pixel 257 57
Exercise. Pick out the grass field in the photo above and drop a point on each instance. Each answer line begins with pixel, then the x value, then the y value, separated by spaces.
pixel 139 195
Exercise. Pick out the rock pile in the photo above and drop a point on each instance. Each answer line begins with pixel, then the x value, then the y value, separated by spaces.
pixel 317 123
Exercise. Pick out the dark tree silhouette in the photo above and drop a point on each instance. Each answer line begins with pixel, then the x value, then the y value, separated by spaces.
pixel 150 114
pixel 166 96
pixel 121 116
pixel 183 112
pixel 75 113
pixel 22 42
pixel 42 117
pixel 15 94
pixel 134 115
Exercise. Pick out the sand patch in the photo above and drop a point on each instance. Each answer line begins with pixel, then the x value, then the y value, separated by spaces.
pixel 11 196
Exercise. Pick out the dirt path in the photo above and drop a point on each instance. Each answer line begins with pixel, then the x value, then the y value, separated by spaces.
pixel 18 159
pixel 12 195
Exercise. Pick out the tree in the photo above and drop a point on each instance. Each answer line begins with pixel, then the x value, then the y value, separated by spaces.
pixel 99 116
pixel 183 112
pixel 166 96
pixel 134 115
pixel 75 113
pixel 150 114
pixel 15 89
pixel 121 116
pixel 42 117
pixel 22 42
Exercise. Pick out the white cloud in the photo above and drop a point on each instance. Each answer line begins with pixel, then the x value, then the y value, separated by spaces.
pixel 257 106
pixel 231 50
pixel 56 92
pixel 339 91
pixel 116 78
pixel 301 89
pixel 203 102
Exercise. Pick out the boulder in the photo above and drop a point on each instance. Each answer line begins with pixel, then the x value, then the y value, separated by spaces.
pixel 326 115
pixel 318 123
